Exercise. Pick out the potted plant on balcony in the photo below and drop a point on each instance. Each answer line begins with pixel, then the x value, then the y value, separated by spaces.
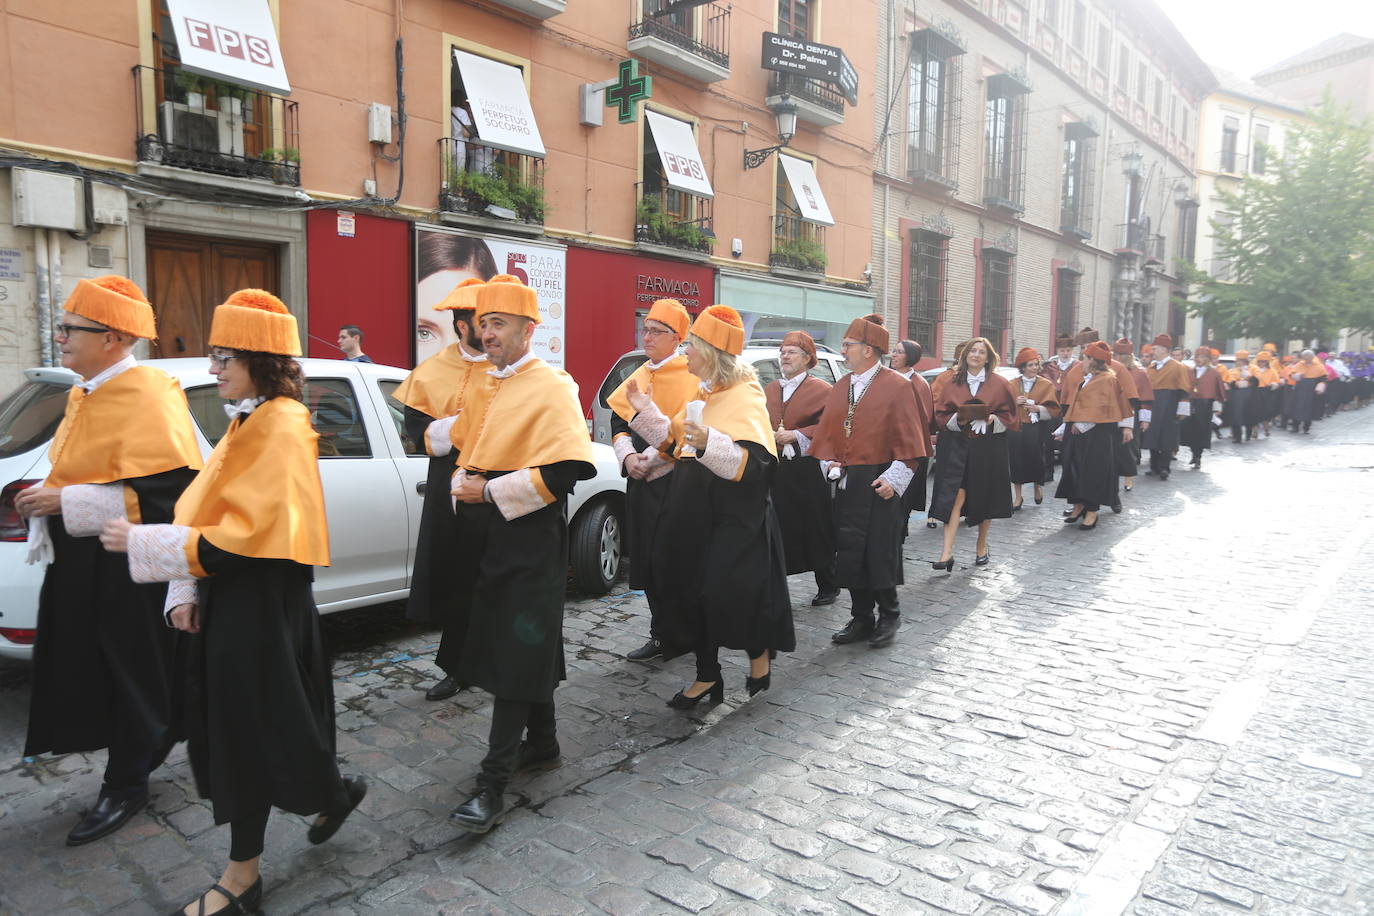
pixel 475 191
pixel 798 254
pixel 654 226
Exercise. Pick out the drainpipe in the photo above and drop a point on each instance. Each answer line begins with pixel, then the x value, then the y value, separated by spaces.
pixel 40 273
pixel 54 277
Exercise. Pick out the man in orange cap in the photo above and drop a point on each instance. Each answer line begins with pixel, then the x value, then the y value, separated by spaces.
pixel 1208 398
pixel 1073 381
pixel 102 673
pixel 522 444
pixel 433 395
pixel 870 441
pixel 1242 386
pixel 1171 392
pixel 664 374
pixel 801 497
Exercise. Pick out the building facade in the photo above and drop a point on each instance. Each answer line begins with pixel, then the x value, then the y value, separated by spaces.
pixel 1342 65
pixel 1035 170
pixel 598 150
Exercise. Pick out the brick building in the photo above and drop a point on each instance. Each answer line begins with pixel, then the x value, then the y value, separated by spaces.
pixel 1035 169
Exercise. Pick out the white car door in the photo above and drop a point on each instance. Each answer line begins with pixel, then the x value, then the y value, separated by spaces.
pixel 369 531
pixel 411 461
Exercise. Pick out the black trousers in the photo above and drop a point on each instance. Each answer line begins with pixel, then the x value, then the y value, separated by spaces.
pixel 510 720
pixel 127 767
pixel 1160 459
pixel 862 601
pixel 246 835
pixel 825 580
pixel 708 661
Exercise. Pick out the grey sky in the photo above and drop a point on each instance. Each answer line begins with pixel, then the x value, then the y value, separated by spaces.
pixel 1246 36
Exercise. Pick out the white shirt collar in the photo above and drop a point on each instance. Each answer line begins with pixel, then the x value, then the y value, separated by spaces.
pixel 124 364
pixel 245 407
pixel 654 367
pixel 907 374
pixel 861 381
pixel 1159 363
pixel 479 358
pixel 980 376
pixel 513 367
pixel 1064 361
pixel 793 382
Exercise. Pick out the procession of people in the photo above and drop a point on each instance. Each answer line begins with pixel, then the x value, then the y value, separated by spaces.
pixel 177 601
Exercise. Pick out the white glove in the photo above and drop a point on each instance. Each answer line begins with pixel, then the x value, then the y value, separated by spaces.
pixel 1216 407
pixel 1216 420
pixel 835 472
pixel 978 427
pixel 437 436
pixel 1035 417
pixel 40 542
pixel 1321 387
pixel 1083 427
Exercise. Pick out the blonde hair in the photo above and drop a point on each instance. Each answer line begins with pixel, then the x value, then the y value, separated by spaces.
pixel 723 369
pixel 1126 359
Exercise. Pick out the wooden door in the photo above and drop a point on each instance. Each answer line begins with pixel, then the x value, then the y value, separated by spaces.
pixel 188 275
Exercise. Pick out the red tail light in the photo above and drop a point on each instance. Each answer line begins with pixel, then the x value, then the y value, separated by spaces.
pixel 19 637
pixel 12 526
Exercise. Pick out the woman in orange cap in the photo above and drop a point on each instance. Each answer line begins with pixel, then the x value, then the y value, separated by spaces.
pixel 1089 433
pixel 1037 404
pixel 1268 383
pixel 1242 391
pixel 238 555
pixel 718 559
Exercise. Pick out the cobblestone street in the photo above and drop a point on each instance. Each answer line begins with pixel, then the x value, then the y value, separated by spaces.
pixel 1173 713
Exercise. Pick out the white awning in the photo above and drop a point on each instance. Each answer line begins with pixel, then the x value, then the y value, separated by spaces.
pixel 500 105
pixel 677 150
pixel 233 40
pixel 811 205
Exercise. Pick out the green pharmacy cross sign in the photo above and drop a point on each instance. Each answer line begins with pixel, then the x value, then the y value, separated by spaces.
pixel 628 89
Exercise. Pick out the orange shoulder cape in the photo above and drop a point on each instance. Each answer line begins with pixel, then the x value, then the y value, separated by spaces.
pixel 740 412
pixel 673 385
pixel 260 493
pixel 438 386
pixel 527 420
pixel 135 425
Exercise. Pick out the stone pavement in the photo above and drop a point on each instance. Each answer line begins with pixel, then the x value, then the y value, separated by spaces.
pixel 1173 713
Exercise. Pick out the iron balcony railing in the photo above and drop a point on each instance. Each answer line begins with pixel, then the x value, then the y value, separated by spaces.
pixel 1134 236
pixel 797 244
pixel 196 122
pixel 703 31
pixel 814 91
pixel 675 219
pixel 481 180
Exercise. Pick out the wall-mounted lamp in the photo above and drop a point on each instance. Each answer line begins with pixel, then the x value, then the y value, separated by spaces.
pixel 1132 163
pixel 786 113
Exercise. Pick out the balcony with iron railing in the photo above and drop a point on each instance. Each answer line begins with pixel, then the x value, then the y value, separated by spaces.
pixel 187 121
pixel 482 184
pixel 667 218
pixel 694 41
pixel 818 102
pixel 797 245
pixel 1133 236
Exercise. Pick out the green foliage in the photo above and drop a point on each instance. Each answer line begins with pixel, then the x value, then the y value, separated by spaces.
pixel 656 226
pixel 498 186
pixel 800 253
pixel 1301 246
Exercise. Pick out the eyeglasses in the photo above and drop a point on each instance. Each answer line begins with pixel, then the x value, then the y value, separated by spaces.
pixel 65 330
pixel 220 360
pixel 654 332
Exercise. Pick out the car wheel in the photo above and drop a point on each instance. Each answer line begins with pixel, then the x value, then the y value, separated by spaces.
pixel 597 548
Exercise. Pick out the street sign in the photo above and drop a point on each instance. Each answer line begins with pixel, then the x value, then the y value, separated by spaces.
pixel 810 60
pixel 628 89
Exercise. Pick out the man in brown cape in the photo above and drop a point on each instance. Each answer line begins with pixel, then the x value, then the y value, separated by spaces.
pixel 869 441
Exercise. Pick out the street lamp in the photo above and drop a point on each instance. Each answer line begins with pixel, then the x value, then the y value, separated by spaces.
pixel 786 113
pixel 1131 163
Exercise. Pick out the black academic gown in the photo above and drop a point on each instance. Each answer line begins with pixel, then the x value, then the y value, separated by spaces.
pixel 801 499
pixel 432 583
pixel 979 465
pixel 644 502
pixel 512 578
pixel 868 531
pixel 1090 466
pixel 718 559
pixel 105 666
pixel 1163 434
pixel 260 696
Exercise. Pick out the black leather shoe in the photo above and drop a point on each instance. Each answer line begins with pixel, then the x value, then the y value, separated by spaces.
pixel 443 690
pixel 108 815
pixel 250 901
pixel 858 628
pixel 356 787
pixel 538 757
pixel 885 631
pixel 480 813
pixel 651 649
pixel 716 694
pixel 824 598
pixel 1116 507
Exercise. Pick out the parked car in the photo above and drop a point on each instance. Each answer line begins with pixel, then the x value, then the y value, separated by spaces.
pixel 762 354
pixel 373 475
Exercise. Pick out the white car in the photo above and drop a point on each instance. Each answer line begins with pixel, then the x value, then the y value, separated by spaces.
pixel 374 481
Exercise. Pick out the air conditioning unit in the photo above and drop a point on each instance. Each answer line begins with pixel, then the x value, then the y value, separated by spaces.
pixel 202 129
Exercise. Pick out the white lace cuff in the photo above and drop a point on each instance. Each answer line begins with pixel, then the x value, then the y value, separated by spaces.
pixel 159 553
pixel 803 444
pixel 1145 415
pixel 953 424
pixel 996 425
pixel 1126 423
pixel 624 448
pixel 651 425
pixel 519 493
pixel 1059 433
pixel 437 440
pixel 1185 408
pixel 1083 427
pixel 898 476
pixel 86 507
pixel 723 456
pixel 179 592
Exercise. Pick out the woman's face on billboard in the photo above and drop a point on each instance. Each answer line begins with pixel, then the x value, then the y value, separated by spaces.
pixel 434 330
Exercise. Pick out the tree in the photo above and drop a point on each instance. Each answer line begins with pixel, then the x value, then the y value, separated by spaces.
pixel 1300 243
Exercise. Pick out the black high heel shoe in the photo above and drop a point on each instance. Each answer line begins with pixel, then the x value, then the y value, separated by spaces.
pixel 1070 519
pixel 983 560
pixel 250 901
pixel 716 692
pixel 759 684
pixel 946 565
pixel 356 789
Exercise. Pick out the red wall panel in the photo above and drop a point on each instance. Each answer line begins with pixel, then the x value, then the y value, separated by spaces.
pixel 364 280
